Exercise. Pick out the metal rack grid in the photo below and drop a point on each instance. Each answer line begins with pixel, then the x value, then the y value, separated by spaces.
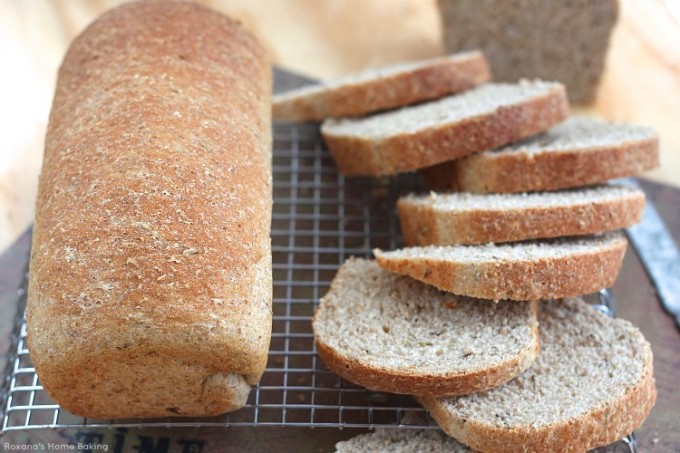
pixel 319 219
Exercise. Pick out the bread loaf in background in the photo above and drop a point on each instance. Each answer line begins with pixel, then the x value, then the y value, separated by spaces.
pixel 553 40
pixel 150 282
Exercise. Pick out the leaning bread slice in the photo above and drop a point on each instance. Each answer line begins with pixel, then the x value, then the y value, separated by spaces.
pixel 401 441
pixel 394 334
pixel 519 271
pixel 578 152
pixel 469 218
pixel 415 137
pixel 383 88
pixel 591 385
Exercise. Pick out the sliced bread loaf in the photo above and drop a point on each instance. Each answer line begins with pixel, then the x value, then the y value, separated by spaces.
pixel 578 152
pixel 565 41
pixel 383 88
pixel 591 385
pixel 468 218
pixel 520 271
pixel 401 441
pixel 415 137
pixel 394 334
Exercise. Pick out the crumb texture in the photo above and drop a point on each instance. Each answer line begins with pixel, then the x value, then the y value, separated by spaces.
pixel 593 150
pixel 520 252
pixel 533 270
pixel 526 38
pixel 464 201
pixel 394 324
pixel 383 88
pixel 469 218
pixel 401 441
pixel 591 384
pixel 478 101
pixel 578 133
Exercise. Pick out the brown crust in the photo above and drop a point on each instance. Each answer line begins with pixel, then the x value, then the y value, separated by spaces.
pixel 150 285
pixel 600 427
pixel 422 225
pixel 407 152
pixel 522 172
pixel 418 383
pixel 439 78
pixel 527 280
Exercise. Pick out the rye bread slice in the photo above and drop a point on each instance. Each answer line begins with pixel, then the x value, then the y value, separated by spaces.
pixel 383 88
pixel 419 136
pixel 469 218
pixel 578 152
pixel 391 333
pixel 546 269
pixel 591 385
pixel 401 441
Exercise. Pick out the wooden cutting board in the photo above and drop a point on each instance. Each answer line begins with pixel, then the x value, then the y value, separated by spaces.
pixel 320 38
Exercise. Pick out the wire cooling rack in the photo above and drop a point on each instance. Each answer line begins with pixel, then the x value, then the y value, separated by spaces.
pixel 319 219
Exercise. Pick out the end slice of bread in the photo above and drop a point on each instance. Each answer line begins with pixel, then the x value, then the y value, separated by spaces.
pixel 578 152
pixel 402 441
pixel 394 334
pixel 546 269
pixel 419 136
pixel 383 88
pixel 469 218
pixel 591 385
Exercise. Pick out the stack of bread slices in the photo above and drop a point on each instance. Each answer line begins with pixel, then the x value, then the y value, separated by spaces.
pixel 480 316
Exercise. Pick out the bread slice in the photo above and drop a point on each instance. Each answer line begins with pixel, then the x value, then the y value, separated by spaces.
pixel 591 385
pixel 393 334
pixel 415 137
pixel 401 441
pixel 383 88
pixel 468 218
pixel 565 41
pixel 520 271
pixel 578 152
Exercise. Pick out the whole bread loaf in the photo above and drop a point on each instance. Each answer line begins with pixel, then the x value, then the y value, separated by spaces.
pixel 150 281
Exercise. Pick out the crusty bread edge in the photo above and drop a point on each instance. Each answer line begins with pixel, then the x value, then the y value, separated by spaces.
pixel 599 427
pixel 403 152
pixel 521 172
pixel 439 78
pixel 206 391
pixel 423 225
pixel 569 276
pixel 410 383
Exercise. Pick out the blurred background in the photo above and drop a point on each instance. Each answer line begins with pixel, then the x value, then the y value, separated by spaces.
pixel 321 39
